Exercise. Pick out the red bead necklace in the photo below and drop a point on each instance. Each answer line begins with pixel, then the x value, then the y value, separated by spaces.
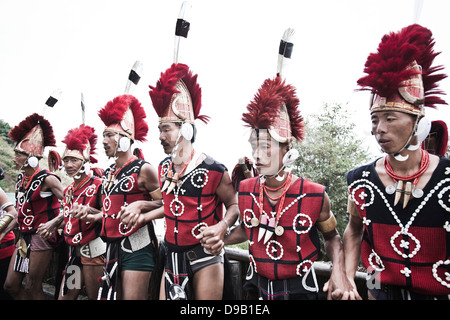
pixel 406 185
pixel 424 164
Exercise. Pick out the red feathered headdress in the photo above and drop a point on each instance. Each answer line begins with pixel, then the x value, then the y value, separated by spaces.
pixel 400 72
pixel 275 107
pixel 81 143
pixel 177 97
pixel 32 135
pixel 126 116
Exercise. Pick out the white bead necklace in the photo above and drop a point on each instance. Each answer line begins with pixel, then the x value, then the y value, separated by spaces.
pixel 285 208
pixel 177 190
pixel 403 228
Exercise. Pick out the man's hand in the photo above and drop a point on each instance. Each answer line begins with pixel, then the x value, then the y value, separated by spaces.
pixel 211 237
pixel 129 214
pixel 85 213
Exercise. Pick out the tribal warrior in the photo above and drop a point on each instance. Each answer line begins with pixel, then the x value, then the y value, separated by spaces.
pixel 130 248
pixel 38 195
pixel 281 213
pixel 399 210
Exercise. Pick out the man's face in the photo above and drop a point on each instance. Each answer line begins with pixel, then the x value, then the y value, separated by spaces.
pixel 19 159
pixel 392 129
pixel 267 153
pixel 168 134
pixel 72 165
pixel 109 143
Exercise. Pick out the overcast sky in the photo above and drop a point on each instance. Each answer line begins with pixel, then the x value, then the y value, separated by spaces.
pixel 89 47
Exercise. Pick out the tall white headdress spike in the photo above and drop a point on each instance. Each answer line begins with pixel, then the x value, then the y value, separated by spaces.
pixel 51 101
pixel 182 28
pixel 285 51
pixel 134 77
pixel 83 110
pixel 418 4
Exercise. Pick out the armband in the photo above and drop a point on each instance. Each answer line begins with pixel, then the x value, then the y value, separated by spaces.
pixel 156 194
pixel 351 208
pixel 5 220
pixel 327 225
pixel 6 205
pixel 228 227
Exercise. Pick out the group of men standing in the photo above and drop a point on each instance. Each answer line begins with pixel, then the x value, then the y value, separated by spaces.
pixel 399 222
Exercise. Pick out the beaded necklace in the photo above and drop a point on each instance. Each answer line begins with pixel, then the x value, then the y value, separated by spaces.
pixel 28 180
pixel 171 178
pixel 403 242
pixel 69 198
pixel 403 184
pixel 273 221
pixel 114 173
pixel 72 188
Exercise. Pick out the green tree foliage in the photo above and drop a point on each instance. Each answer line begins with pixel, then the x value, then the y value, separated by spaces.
pixel 6 158
pixel 330 149
pixel 4 129
pixel 6 162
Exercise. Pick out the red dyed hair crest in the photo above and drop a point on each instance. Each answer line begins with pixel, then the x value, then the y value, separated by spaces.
pixel 32 135
pixel 275 107
pixel 400 74
pixel 81 143
pixel 177 97
pixel 126 116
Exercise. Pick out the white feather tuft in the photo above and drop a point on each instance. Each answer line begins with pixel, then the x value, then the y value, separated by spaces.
pixel 283 58
pixel 51 101
pixel 418 4
pixel 182 16
pixel 83 110
pixel 134 77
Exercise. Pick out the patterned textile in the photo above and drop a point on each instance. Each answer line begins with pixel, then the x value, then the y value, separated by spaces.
pixel 124 190
pixel 405 247
pixel 298 288
pixel 108 289
pixel 32 208
pixel 78 232
pixel 193 204
pixel 291 254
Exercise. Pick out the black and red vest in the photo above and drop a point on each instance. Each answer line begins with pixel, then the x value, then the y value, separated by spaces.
pixel 32 208
pixel 78 232
pixel 124 190
pixel 293 253
pixel 7 245
pixel 193 204
pixel 405 247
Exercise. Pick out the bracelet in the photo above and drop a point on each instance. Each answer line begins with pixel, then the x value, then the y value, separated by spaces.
pixel 5 205
pixel 228 227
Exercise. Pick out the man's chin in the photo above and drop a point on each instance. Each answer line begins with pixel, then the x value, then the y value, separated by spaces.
pixel 266 171
pixel 109 153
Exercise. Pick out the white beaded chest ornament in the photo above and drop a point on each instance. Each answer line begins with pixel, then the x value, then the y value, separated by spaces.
pixel 89 192
pixel 198 178
pixel 374 260
pixel 22 198
pixel 124 183
pixel 274 249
